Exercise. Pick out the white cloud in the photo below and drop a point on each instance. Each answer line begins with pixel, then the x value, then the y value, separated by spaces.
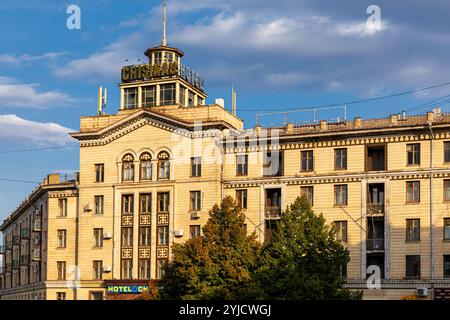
pixel 18 60
pixel 17 130
pixel 16 94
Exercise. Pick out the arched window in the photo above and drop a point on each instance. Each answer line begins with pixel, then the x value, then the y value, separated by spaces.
pixel 128 167
pixel 146 166
pixel 163 165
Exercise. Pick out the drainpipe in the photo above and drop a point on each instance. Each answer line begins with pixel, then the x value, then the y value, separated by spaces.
pixel 77 239
pixel 431 208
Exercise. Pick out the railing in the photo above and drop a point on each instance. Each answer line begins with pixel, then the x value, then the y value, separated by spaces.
pixel 16 264
pixel 273 212
pixel 36 255
pixel 25 259
pixel 375 208
pixel 25 233
pixel 16 240
pixel 37 225
pixel 375 244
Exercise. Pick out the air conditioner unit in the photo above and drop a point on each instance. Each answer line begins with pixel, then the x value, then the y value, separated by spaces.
pixel 107 269
pixel 195 215
pixel 107 235
pixel 88 208
pixel 422 292
pixel 178 233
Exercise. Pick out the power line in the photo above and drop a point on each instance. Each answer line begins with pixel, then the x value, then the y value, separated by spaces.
pixel 19 181
pixel 37 149
pixel 356 101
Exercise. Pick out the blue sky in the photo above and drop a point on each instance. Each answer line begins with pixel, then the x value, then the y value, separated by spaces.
pixel 279 55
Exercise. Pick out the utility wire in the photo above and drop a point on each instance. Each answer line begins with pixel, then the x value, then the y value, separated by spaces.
pixel 33 150
pixel 19 181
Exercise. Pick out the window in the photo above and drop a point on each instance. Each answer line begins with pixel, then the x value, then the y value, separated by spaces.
pixel 242 165
pixel 340 159
pixel 446 228
pixel 128 168
pixel 144 236
pixel 163 166
pixel 307 161
pixel 130 98
pixel 413 153
pixel 446 190
pixel 98 237
pixel 241 196
pixel 195 203
pixel 340 195
pixel 191 100
pixel 446 266
pixel 127 237
pixel 167 94
pixel 160 264
pixel 273 163
pixel 343 270
pixel 95 295
pixel 128 204
pixel 144 269
pixel 146 166
pixel 412 267
pixel 97 268
pixel 447 152
pixel 169 57
pixel 194 231
pixel 196 167
pixel 308 193
pixel 99 172
pixel 163 202
pixel 62 234
pixel 145 201
pixel 148 96
pixel 61 267
pixel 163 236
pixel 60 296
pixel 182 96
pixel 158 57
pixel 201 102
pixel 413 191
pixel 341 230
pixel 62 207
pixel 412 229
pixel 99 204
pixel 127 269
pixel 376 158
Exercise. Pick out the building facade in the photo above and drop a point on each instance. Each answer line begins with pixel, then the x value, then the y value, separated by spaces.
pixel 150 173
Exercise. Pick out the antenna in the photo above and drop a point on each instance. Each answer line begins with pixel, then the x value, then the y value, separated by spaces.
pixel 102 100
pixel 233 100
pixel 164 39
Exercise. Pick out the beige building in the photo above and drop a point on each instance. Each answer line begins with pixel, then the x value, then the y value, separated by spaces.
pixel 150 173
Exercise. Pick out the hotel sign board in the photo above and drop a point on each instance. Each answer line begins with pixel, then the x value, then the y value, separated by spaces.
pixel 157 71
pixel 126 289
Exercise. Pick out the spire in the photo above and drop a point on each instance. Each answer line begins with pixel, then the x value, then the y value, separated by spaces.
pixel 164 39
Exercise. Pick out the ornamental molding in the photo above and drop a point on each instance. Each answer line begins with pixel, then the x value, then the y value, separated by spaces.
pixel 400 284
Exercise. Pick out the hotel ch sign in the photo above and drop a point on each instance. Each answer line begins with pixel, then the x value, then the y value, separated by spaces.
pixel 149 72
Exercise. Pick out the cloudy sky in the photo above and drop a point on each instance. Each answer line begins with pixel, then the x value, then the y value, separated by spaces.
pixel 279 55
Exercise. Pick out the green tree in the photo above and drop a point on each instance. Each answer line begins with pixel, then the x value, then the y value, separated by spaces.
pixel 302 261
pixel 217 265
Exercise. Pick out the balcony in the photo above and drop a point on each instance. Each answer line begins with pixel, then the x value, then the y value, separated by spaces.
pixel 25 260
pixel 273 212
pixel 37 225
pixel 2 249
pixel 16 264
pixel 375 208
pixel 25 233
pixel 36 255
pixel 16 240
pixel 375 244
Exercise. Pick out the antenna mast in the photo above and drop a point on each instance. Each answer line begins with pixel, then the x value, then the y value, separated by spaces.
pixel 164 39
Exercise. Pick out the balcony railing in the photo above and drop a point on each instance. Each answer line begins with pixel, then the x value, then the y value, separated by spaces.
pixel 36 255
pixel 37 225
pixel 273 212
pixel 16 264
pixel 374 208
pixel 16 240
pixel 25 259
pixel 375 244
pixel 25 233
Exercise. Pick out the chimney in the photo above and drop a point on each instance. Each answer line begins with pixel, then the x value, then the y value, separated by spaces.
pixel 357 123
pixel 323 125
pixel 404 115
pixel 289 128
pixel 394 120
pixel 220 102
pixel 430 116
pixel 53 178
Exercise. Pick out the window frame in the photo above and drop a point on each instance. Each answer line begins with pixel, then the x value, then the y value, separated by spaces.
pixel 418 276
pixel 340 159
pixel 341 189
pixel 341 228
pixel 308 195
pixel 195 231
pixel 126 98
pixel 196 167
pixel 61 242
pixel 413 151
pixel 309 161
pixel 97 269
pixel 242 198
pixel 98 238
pixel 99 199
pixel 414 190
pixel 412 230
pixel 99 172
pixel 195 200
pixel 242 168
